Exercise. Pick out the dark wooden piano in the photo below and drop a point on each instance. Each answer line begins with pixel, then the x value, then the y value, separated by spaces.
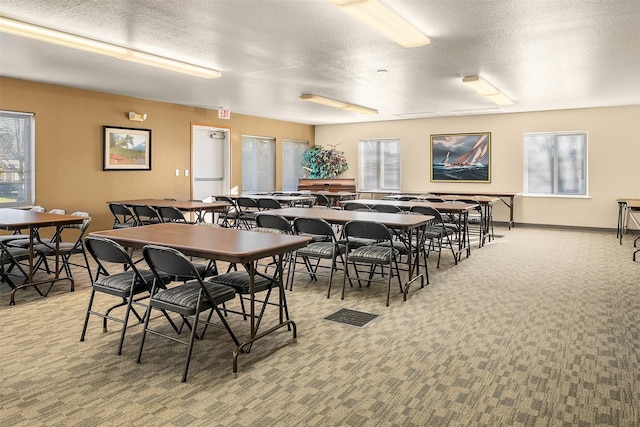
pixel 330 185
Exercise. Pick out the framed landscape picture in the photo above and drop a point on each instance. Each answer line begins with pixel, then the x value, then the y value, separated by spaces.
pixel 126 149
pixel 461 157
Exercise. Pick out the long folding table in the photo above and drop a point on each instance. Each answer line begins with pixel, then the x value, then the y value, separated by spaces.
pixel 461 210
pixel 403 223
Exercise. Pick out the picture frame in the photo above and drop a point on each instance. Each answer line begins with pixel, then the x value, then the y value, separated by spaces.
pixel 461 157
pixel 126 149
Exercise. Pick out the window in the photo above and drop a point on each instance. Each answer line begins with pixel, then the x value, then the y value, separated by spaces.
pixel 258 163
pixel 291 168
pixel 379 161
pixel 17 147
pixel 555 163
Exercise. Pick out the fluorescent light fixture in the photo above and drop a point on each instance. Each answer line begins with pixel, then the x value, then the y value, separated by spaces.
pixel 337 104
pixel 76 42
pixel 171 64
pixel 500 99
pixel 419 115
pixel 484 88
pixel 383 20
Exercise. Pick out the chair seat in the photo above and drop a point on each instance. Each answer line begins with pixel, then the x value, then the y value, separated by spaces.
pixel 203 271
pixel 436 232
pixel 13 237
pixel 186 296
pixel 239 280
pixel 18 254
pixel 24 243
pixel 268 230
pixel 123 225
pixel 401 247
pixel 50 249
pixel 356 242
pixel 120 283
pixel 322 249
pixel 248 215
pixel 371 253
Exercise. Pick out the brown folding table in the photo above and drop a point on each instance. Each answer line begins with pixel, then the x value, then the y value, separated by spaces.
pixel 18 219
pixel 225 244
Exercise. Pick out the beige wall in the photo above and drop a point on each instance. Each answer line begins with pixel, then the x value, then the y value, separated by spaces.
pixel 69 138
pixel 69 151
pixel 613 144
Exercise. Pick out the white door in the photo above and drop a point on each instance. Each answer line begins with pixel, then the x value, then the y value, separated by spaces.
pixel 210 162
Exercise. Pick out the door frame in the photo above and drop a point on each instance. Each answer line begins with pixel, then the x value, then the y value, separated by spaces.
pixel 227 169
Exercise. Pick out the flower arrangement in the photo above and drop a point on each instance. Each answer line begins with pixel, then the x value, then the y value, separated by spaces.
pixel 322 163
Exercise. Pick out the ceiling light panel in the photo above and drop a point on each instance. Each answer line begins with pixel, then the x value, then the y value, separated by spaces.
pixel 337 104
pixel 76 42
pixel 484 88
pixel 383 20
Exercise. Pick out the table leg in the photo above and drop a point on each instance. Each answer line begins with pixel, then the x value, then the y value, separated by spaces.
pixel 251 268
pixel 621 211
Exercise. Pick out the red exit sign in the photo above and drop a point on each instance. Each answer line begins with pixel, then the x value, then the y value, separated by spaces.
pixel 224 113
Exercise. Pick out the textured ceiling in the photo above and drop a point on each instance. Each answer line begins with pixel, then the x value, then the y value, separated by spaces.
pixel 543 54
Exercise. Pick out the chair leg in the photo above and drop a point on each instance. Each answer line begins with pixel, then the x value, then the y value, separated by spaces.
pixel 124 324
pixel 192 338
pixel 147 316
pixel 86 318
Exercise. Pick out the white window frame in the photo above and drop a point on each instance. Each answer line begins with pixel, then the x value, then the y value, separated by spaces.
pixel 581 166
pixel 17 159
pixel 266 179
pixel 292 169
pixel 379 185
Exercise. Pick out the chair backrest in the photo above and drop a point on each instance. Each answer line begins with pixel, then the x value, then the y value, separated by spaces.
pixel 322 200
pixel 37 209
pixel 172 262
pixel 313 227
pixel 265 204
pixel 407 198
pixel 122 215
pixel 426 210
pixel 105 251
pixel 82 228
pixel 367 230
pixel 386 208
pixel 273 221
pixel 57 211
pixel 352 206
pixel 145 214
pixel 171 214
pixel 246 203
pixel 434 200
pixel 232 203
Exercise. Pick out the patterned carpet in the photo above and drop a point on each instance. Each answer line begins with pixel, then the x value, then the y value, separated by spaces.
pixel 538 328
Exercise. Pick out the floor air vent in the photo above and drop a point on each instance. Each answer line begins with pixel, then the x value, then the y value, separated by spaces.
pixel 351 317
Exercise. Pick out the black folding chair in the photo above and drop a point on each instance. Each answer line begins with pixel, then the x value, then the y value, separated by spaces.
pixel 324 246
pixel 129 283
pixel 370 255
pixel 188 299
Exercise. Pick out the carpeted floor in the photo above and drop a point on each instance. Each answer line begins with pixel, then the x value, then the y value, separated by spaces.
pixel 538 328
